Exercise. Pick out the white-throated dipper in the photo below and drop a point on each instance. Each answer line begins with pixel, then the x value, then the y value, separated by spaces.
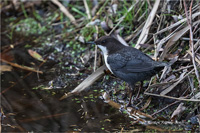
pixel 127 63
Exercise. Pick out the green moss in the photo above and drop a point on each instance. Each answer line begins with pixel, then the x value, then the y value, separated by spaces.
pixel 39 87
pixel 10 19
pixel 28 46
pixel 29 26
pixel 37 16
pixel 132 44
pixel 53 93
pixel 122 87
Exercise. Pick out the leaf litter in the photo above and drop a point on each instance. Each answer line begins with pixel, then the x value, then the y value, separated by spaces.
pixel 166 90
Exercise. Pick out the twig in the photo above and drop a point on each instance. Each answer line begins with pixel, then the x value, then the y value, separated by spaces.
pixel 170 88
pixel 165 108
pixel 177 23
pixel 162 16
pixel 142 2
pixel 43 117
pixel 87 9
pixel 188 39
pixel 95 56
pixel 197 60
pixel 182 76
pixel 189 21
pixel 19 81
pixel 145 31
pixel 191 86
pixel 66 12
pixel 174 38
pixel 149 4
pixel 195 48
pixel 161 42
pixel 95 59
pixel 181 99
pixel 21 67
pixel 182 68
pixel 169 104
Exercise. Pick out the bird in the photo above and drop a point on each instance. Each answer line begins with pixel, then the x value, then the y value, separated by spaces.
pixel 126 62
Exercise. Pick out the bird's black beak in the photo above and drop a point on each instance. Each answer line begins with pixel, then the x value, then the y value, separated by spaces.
pixel 91 43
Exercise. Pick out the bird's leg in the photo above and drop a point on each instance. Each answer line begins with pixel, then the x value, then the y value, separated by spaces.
pixel 141 85
pixel 106 72
pixel 129 103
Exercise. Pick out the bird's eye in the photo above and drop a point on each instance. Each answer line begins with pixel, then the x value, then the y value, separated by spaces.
pixel 103 41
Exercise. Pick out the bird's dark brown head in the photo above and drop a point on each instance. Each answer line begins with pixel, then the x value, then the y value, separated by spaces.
pixel 109 44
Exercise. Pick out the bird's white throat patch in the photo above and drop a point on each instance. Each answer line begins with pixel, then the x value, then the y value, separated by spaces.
pixel 105 54
pixel 103 49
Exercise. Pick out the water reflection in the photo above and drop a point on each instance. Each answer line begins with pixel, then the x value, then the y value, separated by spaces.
pixel 38 110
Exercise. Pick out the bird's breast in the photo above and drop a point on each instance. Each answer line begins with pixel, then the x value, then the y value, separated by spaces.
pixel 106 62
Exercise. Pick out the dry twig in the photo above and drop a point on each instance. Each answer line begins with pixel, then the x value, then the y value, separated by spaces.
pixel 189 21
pixel 66 12
pixel 177 23
pixel 21 67
pixel 174 38
pixel 164 108
pixel 175 98
pixel 147 25
pixel 87 9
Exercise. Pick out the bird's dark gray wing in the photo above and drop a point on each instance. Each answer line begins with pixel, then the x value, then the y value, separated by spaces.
pixel 129 62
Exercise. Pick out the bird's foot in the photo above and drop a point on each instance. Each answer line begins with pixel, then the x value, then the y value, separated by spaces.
pixel 106 72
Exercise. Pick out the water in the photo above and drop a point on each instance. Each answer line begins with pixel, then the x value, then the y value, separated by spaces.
pixel 27 109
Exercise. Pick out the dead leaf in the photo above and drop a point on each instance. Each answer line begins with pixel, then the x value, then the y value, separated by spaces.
pixel 168 69
pixel 197 96
pixel 4 68
pixel 146 104
pixel 173 39
pixel 178 111
pixel 35 55
pixel 170 78
pixel 168 89
pixel 87 82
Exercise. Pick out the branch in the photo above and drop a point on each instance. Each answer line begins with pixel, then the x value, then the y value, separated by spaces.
pixel 21 67
pixel 65 11
pixel 87 9
pixel 145 30
pixel 189 21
